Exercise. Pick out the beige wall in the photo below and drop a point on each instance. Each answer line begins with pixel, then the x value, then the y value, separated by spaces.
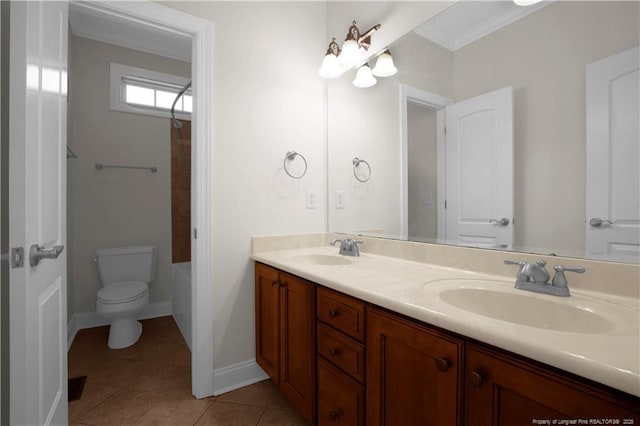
pixel 268 99
pixel 115 207
pixel 543 57
pixel 422 156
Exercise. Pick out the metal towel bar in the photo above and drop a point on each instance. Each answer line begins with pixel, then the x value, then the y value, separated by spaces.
pixel 101 166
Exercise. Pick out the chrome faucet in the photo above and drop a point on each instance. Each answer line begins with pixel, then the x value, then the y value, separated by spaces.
pixel 348 247
pixel 535 277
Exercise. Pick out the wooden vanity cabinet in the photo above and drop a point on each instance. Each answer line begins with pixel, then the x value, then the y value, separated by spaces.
pixel 505 390
pixel 413 373
pixel 376 367
pixel 286 335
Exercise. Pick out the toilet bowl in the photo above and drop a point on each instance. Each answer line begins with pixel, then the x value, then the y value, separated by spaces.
pixel 125 273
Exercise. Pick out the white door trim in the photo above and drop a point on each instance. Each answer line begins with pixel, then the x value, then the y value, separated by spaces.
pixel 148 13
pixel 413 94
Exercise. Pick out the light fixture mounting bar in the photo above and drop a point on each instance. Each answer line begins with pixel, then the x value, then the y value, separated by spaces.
pixel 365 39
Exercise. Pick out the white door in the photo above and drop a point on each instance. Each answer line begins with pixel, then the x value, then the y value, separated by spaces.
pixel 479 170
pixel 37 211
pixel 613 158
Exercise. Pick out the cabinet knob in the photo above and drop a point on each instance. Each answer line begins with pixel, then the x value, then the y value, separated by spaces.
pixel 282 284
pixel 442 364
pixel 334 313
pixel 334 415
pixel 475 378
pixel 273 284
pixel 333 351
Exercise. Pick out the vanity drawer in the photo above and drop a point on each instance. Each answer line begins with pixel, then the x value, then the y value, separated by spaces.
pixel 342 312
pixel 340 398
pixel 342 351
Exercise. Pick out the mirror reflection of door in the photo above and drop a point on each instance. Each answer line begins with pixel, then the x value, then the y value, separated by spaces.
pixel 460 188
pixel 613 138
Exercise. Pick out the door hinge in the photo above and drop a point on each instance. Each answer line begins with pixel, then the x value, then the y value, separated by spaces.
pixel 195 234
pixel 17 257
pixel 445 130
pixel 445 204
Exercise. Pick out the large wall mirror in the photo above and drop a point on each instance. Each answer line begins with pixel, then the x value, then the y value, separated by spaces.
pixel 505 127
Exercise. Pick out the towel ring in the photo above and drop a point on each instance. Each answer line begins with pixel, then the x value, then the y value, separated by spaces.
pixel 290 156
pixel 356 163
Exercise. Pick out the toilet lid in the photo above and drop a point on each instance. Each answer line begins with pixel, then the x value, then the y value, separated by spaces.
pixel 122 292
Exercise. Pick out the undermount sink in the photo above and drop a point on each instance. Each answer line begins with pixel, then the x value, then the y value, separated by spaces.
pixel 527 310
pixel 322 259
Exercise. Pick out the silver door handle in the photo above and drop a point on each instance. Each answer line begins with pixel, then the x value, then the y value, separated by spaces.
pixel 597 222
pixel 500 222
pixel 37 253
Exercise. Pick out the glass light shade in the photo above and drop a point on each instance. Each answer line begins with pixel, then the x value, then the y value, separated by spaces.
pixel 526 2
pixel 364 78
pixel 330 67
pixel 384 66
pixel 350 54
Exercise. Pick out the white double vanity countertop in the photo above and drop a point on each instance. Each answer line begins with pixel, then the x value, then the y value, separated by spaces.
pixel 594 335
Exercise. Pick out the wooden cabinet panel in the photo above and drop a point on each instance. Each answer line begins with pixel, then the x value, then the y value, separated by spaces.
pixel 342 312
pixel 342 351
pixel 508 391
pixel 340 398
pixel 297 343
pixel 267 320
pixel 413 373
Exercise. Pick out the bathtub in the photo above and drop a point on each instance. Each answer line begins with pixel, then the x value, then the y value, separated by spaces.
pixel 181 298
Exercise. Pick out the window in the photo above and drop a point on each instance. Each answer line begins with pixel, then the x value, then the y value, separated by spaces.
pixel 148 92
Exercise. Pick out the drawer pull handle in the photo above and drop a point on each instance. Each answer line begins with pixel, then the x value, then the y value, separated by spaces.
pixel 334 313
pixel 334 352
pixel 334 415
pixel 443 364
pixel 476 378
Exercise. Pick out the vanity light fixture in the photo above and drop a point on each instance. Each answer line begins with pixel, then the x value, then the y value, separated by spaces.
pixel 384 65
pixel 353 52
pixel 364 77
pixel 330 66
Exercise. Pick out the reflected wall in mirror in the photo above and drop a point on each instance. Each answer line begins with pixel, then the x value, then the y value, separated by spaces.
pixel 572 71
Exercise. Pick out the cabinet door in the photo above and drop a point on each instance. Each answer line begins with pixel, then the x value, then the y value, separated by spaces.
pixel 298 343
pixel 412 373
pixel 505 391
pixel 267 320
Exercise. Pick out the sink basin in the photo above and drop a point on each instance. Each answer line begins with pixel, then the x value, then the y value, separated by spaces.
pixel 322 259
pixel 529 310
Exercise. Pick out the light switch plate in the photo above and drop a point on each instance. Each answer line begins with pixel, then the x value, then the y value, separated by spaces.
pixel 339 199
pixel 312 199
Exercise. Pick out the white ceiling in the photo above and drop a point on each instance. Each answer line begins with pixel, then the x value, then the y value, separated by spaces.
pixel 468 21
pixel 89 23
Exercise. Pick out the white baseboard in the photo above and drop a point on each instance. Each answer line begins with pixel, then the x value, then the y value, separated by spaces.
pixel 84 320
pixel 236 376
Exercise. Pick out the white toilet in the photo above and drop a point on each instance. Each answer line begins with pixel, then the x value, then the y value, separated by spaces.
pixel 126 273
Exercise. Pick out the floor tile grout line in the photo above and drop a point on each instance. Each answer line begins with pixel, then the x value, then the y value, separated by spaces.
pixel 150 408
pixel 203 412
pixel 94 406
pixel 261 416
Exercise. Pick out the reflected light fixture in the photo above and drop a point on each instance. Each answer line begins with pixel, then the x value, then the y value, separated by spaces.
pixel 384 65
pixel 364 77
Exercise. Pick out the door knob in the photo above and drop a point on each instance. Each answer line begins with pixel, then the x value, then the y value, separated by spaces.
pixel 596 222
pixel 500 222
pixel 37 253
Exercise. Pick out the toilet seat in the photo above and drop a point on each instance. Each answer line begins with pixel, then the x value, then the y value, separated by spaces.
pixel 123 292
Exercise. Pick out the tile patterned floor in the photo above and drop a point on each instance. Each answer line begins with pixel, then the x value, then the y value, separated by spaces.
pixel 149 383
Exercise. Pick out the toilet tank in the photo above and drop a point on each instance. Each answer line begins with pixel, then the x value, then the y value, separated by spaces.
pixel 120 264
